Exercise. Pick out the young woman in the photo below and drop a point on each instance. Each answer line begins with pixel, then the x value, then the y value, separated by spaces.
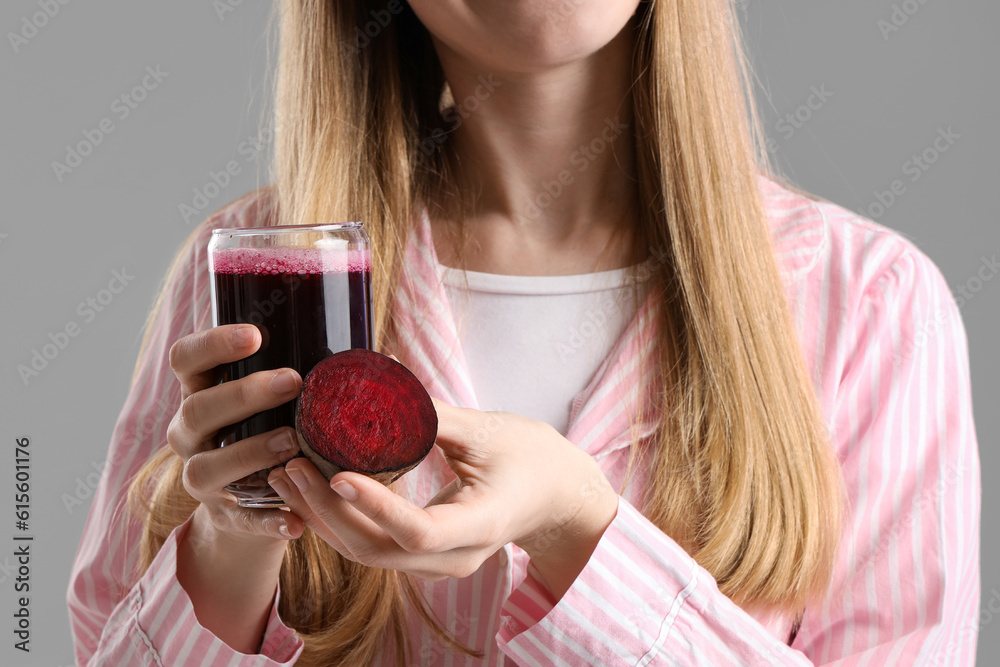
pixel 688 415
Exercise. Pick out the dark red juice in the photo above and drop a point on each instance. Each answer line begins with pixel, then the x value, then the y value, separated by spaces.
pixel 307 303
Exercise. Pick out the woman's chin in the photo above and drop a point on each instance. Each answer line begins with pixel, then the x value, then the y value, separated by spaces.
pixel 524 37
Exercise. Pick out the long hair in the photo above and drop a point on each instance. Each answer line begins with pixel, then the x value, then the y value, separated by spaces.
pixel 741 471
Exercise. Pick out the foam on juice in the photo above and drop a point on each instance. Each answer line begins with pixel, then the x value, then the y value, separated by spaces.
pixel 283 261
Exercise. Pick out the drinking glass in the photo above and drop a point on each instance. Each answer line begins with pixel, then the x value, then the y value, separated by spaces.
pixel 308 290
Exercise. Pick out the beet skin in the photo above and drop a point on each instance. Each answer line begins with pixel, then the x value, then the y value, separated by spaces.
pixel 364 412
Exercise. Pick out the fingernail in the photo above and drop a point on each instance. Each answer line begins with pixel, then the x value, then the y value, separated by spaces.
pixel 283 382
pixel 346 490
pixel 279 486
pixel 281 443
pixel 242 337
pixel 283 529
pixel 298 478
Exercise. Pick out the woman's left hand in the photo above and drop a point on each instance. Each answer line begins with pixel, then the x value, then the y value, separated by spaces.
pixel 518 480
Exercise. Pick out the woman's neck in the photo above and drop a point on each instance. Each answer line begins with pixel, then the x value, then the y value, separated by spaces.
pixel 550 158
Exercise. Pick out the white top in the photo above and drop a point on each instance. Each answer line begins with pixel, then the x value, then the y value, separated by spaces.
pixel 532 343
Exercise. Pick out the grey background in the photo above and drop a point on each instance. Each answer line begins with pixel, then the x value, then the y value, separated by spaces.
pixel 61 241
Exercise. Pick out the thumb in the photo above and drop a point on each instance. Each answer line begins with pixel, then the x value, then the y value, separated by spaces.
pixel 464 432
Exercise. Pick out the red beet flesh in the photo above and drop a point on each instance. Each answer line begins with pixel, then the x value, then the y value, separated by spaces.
pixel 364 412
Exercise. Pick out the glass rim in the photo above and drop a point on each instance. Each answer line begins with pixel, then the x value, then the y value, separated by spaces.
pixel 284 229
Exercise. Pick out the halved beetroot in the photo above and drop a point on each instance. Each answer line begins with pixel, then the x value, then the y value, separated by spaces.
pixel 364 412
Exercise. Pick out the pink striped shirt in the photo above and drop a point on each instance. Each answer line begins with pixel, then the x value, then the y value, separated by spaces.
pixel 884 343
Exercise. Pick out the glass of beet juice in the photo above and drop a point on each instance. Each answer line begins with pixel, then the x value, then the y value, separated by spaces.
pixel 308 290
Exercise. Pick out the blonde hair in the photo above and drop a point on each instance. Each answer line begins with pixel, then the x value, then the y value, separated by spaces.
pixel 742 472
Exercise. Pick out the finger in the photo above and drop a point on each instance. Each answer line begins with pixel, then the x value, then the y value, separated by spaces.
pixel 194 358
pixel 289 492
pixel 204 413
pixel 361 537
pixel 466 435
pixel 455 425
pixel 446 492
pixel 434 529
pixel 358 537
pixel 207 472
pixel 274 523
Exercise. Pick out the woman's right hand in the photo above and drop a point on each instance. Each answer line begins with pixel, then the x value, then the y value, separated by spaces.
pixel 229 559
pixel 206 407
